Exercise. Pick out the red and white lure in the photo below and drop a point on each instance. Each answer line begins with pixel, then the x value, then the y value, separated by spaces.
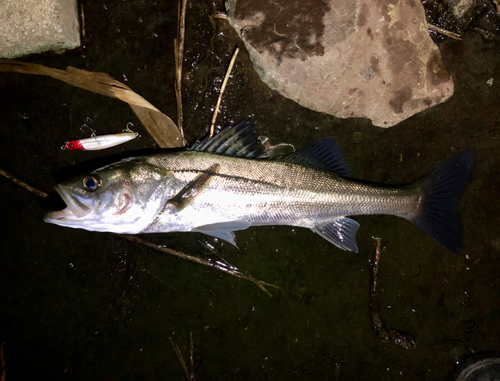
pixel 98 142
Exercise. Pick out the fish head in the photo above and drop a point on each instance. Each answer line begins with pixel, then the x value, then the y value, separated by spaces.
pixel 123 198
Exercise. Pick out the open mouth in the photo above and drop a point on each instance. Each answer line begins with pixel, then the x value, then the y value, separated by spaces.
pixel 74 206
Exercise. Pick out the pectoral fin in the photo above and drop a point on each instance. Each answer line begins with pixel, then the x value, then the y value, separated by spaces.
pixel 223 230
pixel 341 232
pixel 188 194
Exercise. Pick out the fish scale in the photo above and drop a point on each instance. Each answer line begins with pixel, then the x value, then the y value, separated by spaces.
pixel 293 195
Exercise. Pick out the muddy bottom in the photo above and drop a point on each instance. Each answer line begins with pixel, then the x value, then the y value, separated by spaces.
pixel 84 305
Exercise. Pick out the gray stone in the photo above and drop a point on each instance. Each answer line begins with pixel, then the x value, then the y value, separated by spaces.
pixel 34 26
pixel 349 58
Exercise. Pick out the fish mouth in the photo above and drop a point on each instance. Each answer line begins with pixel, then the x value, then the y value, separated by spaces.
pixel 74 207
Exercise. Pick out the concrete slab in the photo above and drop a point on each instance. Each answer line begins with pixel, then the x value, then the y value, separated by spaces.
pixel 35 26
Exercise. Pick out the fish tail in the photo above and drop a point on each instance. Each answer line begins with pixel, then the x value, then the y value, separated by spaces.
pixel 443 189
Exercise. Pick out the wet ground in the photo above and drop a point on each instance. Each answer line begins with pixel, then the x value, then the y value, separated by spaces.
pixel 84 305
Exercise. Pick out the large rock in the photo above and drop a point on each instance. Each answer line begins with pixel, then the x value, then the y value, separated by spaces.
pixel 348 58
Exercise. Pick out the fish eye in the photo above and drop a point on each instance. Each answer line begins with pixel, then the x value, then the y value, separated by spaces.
pixel 92 182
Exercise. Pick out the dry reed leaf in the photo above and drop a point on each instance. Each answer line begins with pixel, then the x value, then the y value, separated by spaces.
pixel 163 130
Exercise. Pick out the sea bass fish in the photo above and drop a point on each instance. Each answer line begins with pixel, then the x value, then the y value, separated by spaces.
pixel 225 184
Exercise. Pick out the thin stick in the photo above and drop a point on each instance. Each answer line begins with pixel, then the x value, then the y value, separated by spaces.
pixel 444 31
pixel 181 359
pixel 228 72
pixel 191 351
pixel 83 20
pixel 214 264
pixel 177 87
pixel 162 281
pixel 179 59
pixel 387 334
pixel 39 193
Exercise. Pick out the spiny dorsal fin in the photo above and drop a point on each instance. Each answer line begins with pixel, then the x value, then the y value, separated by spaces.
pixel 322 154
pixel 237 140
pixel 240 140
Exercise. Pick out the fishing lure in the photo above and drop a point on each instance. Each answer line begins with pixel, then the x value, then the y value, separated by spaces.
pixel 98 142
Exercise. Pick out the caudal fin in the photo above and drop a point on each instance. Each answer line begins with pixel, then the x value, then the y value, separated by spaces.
pixel 443 189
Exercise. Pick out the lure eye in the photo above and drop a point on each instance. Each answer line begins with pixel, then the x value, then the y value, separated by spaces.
pixel 92 182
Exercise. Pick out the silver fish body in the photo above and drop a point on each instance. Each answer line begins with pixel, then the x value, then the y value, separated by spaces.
pixel 262 192
pixel 216 194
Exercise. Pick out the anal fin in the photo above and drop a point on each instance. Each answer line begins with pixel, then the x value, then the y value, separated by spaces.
pixel 341 232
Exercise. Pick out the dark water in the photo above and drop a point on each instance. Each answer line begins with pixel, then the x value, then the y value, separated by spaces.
pixel 82 305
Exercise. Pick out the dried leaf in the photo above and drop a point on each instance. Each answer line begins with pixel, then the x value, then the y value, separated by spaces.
pixel 163 130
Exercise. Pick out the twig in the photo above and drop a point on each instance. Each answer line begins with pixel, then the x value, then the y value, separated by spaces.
pixel 162 281
pixel 214 264
pixel 387 334
pixel 39 193
pixel 443 31
pixel 181 359
pixel 191 351
pixel 179 59
pixel 82 14
pixel 212 250
pixel 228 72
pixel 189 374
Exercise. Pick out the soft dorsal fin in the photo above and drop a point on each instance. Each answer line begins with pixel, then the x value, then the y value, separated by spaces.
pixel 240 140
pixel 322 154
pixel 237 140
